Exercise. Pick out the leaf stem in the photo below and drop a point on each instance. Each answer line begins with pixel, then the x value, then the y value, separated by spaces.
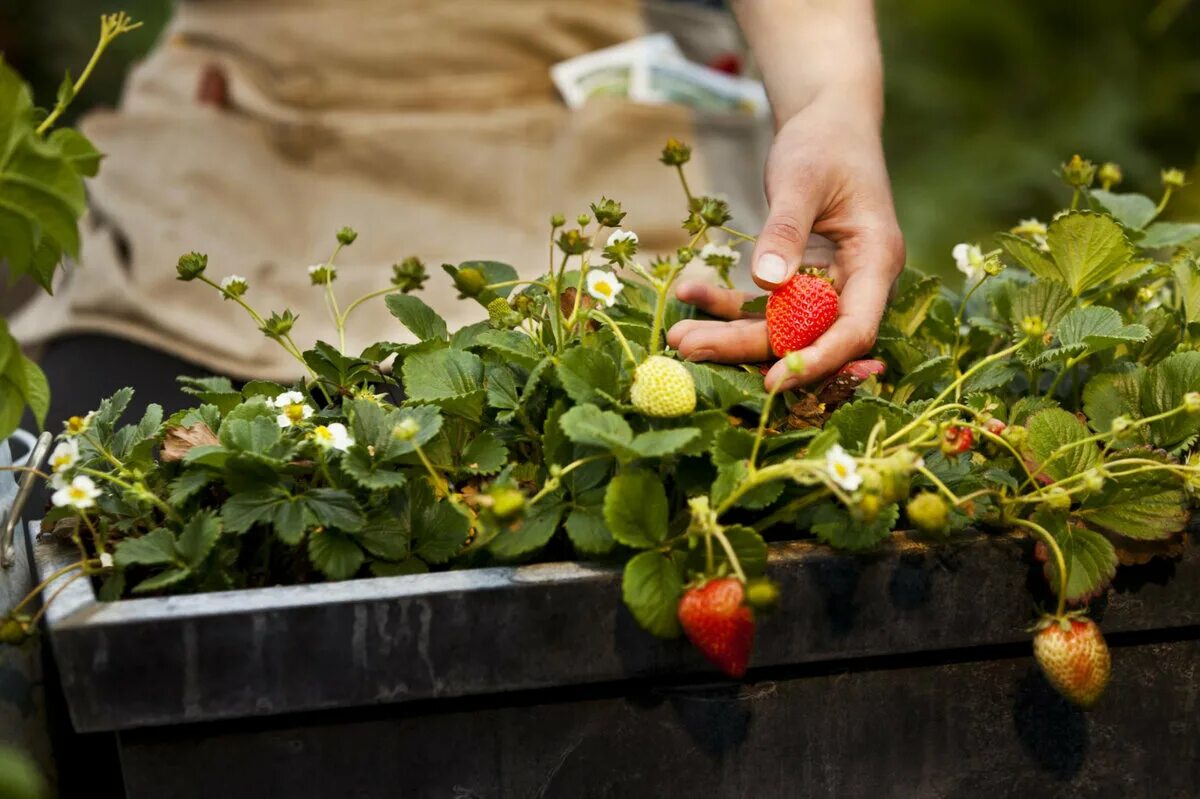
pixel 606 319
pixel 1061 561
pixel 111 26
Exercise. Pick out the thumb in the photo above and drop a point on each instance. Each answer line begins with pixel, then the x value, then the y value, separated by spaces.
pixel 780 248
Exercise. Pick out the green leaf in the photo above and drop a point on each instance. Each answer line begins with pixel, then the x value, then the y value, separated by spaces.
pixel 635 508
pixel 1029 256
pixel 493 272
pixel 383 538
pixel 1090 557
pixel 833 524
pixel 855 420
pixel 587 424
pixel 199 536
pixel 587 530
pixel 512 346
pixel 421 320
pixel 336 556
pixel 155 548
pixel 1089 330
pixel 436 529
pixel 502 388
pixel 1146 506
pixel 535 531
pixel 1111 394
pixel 25 381
pixel 486 454
pixel 748 546
pixel 1089 249
pixel 187 485
pixel 164 579
pixel 451 379
pixel 1169 234
pixel 76 150
pixel 994 375
pixel 1130 209
pixel 1162 388
pixel 370 472
pixel 662 443
pixel 731 475
pixel 1048 299
pixel 1187 277
pixel 908 311
pixel 1054 428
pixel 588 375
pixel 651 587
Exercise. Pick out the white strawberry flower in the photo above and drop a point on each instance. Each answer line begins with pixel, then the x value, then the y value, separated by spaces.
pixel 106 560
pixel 64 456
pixel 80 493
pixel 969 259
pixel 1034 230
pixel 292 408
pixel 719 255
pixel 619 236
pixel 234 285
pixel 604 286
pixel 843 468
pixel 322 274
pixel 333 436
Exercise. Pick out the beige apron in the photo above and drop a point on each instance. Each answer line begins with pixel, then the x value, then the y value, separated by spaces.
pixel 429 126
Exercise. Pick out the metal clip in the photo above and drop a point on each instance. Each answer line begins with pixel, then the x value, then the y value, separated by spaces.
pixel 33 461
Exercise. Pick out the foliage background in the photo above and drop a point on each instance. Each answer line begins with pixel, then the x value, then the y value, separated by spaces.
pixel 984 99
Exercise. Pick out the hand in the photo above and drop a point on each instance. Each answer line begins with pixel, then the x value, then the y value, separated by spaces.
pixel 825 174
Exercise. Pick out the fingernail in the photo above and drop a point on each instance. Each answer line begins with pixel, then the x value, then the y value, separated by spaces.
pixel 771 268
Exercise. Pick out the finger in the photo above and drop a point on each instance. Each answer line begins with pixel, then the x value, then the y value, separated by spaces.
pixel 851 336
pixel 780 247
pixel 744 342
pixel 725 303
pixel 681 329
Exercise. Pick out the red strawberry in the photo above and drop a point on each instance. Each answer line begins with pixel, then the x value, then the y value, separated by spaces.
pixel 956 440
pixel 995 426
pixel 719 623
pixel 799 312
pixel 1074 657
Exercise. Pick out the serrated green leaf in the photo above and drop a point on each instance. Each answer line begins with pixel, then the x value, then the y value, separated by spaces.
pixel 1111 394
pixel 437 530
pixel 1145 506
pixel 651 587
pixel 1162 389
pixel 76 150
pixel 502 388
pixel 733 474
pixel 421 320
pixel 588 533
pixel 155 548
pixel 534 532
pixel 1130 209
pixel 910 308
pixel 1089 249
pixel 513 346
pixel 164 579
pixel 994 375
pixel 1049 299
pixel 336 556
pixel 1090 557
pixel 586 424
pixel 1089 330
pixel 748 546
pixel 1055 428
pixel 1169 234
pixel 635 508
pixel 1029 256
pixel 1186 272
pixel 198 537
pixel 664 443
pixel 451 379
pixel 187 485
pixel 588 375
pixel 833 524
pixel 855 420
pixel 486 454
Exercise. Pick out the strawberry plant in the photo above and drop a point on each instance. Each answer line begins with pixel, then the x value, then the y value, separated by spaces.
pixel 1057 397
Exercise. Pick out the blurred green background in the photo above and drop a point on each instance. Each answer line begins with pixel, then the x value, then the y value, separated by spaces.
pixel 984 100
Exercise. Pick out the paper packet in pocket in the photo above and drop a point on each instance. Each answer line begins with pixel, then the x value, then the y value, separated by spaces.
pixel 612 71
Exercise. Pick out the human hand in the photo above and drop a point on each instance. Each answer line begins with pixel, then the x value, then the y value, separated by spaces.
pixel 825 174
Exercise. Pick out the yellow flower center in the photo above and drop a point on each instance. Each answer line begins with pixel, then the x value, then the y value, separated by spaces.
pixel 76 425
pixel 841 470
pixel 76 493
pixel 603 287
pixel 322 434
pixel 60 463
pixel 294 412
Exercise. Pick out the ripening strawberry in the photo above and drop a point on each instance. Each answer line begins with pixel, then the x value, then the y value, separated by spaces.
pixel 663 387
pixel 956 440
pixel 799 311
pixel 1073 656
pixel 719 623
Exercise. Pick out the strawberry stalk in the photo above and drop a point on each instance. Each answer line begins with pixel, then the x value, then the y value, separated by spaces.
pixel 1059 560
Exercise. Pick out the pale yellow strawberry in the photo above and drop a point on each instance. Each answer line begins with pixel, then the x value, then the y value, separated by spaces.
pixel 663 387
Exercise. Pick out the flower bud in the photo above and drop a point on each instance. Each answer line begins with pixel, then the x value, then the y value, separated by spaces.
pixel 713 211
pixel 322 274
pixel 573 242
pixel 557 221
pixel 346 236
pixel 1093 481
pixel 191 265
pixel 406 429
pixel 685 255
pixel 1173 178
pixel 13 631
pixel 794 362
pixel 675 153
pixel 608 212
pixel 1121 424
pixel 1057 499
pixel 233 286
pixel 1016 435
pixel 1110 175
pixel 1078 172
pixel 409 274
pixel 1033 326
pixel 928 513
pixel 470 282
pixel 506 502
pixel 1191 402
pixel 279 325
pixel 993 266
pixel 1146 294
pixel 762 594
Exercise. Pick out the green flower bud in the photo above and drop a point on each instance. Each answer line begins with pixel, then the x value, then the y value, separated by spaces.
pixel 608 212
pixel 191 265
pixel 573 242
pixel 1078 173
pixel 406 429
pixel 506 502
pixel 409 274
pixel 1057 499
pixel 1146 293
pixel 675 153
pixel 1120 425
pixel 714 212
pixel 470 282
pixel 1033 326
pixel 1173 178
pixel 13 631
pixel 557 221
pixel 685 255
pixel 1110 175
pixel 322 274
pixel 1191 402
pixel 993 266
pixel 762 594
pixel 582 220
pixel 233 286
pixel 693 224
pixel 279 325
pixel 1093 481
pixel 346 236
pixel 794 362
pixel 929 513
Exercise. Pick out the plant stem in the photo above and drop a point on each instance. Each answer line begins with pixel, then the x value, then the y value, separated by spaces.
pixel 933 478
pixel 606 319
pixel 141 488
pixel 1061 562
pixel 37 589
pixel 111 26
pixel 439 482
pixel 762 426
pixel 739 234
pixel 663 288
pixel 729 553
pixel 683 181
pixel 42 610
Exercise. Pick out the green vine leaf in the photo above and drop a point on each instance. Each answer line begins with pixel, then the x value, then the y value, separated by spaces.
pixel 1090 557
pixel 336 556
pixel 588 375
pixel 421 320
pixel 835 526
pixel 651 587
pixel 636 510
pixel 1145 506
pixel 1089 249
pixel 1052 429
pixel 1132 210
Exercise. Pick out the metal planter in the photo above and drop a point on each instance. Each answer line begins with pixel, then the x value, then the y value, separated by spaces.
pixel 906 672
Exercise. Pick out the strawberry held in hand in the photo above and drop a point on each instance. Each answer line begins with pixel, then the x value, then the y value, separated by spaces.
pixel 799 312
pixel 719 623
pixel 1074 657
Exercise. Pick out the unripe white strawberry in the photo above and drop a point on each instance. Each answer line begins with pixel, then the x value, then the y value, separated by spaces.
pixel 1074 657
pixel 663 387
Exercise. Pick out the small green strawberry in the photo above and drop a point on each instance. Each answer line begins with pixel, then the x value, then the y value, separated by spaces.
pixel 1072 653
pixel 928 513
pixel 663 387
